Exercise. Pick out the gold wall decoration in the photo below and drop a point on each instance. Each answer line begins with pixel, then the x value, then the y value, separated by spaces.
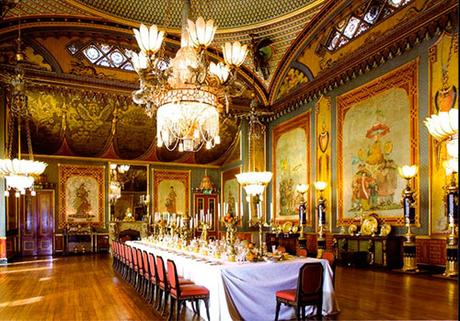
pixel 294 78
pixel 291 166
pixel 81 195
pixel 377 131
pixel 171 191
pixel 438 60
pixel 324 150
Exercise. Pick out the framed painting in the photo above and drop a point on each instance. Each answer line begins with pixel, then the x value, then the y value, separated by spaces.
pixel 81 195
pixel 291 165
pixel 171 191
pixel 377 132
pixel 438 56
pixel 231 191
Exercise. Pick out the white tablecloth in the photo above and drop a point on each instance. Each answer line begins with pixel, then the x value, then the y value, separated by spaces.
pixel 246 291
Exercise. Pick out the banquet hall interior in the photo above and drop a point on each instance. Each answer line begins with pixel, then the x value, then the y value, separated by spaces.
pixel 228 160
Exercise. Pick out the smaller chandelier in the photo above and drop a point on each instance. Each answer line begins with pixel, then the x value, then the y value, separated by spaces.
pixel 254 183
pixel 115 185
pixel 19 173
pixel 188 92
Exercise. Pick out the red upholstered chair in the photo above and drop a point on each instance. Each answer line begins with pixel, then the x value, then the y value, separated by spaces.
pixel 184 292
pixel 163 284
pixel 146 276
pixel 135 268
pixel 140 270
pixel 309 291
pixel 153 278
pixel 330 257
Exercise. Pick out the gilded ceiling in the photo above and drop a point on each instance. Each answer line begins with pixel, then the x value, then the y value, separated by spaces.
pixel 228 14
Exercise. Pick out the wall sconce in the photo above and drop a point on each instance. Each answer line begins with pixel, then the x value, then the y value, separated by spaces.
pixel 408 203
pixel 321 216
pixel 302 189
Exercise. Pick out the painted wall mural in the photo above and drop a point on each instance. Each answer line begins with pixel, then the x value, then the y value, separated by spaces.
pixel 70 122
pixel 377 131
pixel 294 78
pixel 291 164
pixel 438 60
pixel 231 191
pixel 81 195
pixel 323 150
pixel 171 191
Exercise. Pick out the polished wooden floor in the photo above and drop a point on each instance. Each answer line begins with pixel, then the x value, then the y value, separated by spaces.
pixel 86 288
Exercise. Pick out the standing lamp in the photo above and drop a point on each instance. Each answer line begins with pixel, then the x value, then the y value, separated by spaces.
pixel 321 216
pixel 408 203
pixel 302 189
pixel 254 184
pixel 452 216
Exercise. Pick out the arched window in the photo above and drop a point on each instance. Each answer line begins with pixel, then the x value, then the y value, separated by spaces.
pixel 362 20
pixel 105 55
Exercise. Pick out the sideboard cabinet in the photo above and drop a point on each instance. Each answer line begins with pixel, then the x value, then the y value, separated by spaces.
pixel 367 250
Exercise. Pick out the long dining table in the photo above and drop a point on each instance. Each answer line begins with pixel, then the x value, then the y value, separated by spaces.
pixel 244 290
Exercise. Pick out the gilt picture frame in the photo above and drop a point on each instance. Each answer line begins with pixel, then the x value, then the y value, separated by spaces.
pixel 171 191
pixel 81 195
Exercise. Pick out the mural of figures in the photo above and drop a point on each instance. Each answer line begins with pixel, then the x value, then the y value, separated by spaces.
pixel 81 195
pixel 171 191
pixel 291 165
pixel 170 202
pixel 376 126
pixel 231 191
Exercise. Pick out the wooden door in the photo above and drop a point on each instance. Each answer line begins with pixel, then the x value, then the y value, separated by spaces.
pixel 37 223
pixel 207 203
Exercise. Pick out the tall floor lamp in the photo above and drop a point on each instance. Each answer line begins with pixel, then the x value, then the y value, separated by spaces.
pixel 321 217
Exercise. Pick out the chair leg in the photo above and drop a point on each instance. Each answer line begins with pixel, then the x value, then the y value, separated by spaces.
pixel 193 306
pixel 171 309
pixel 206 304
pixel 297 312
pixel 178 304
pixel 159 298
pixel 319 310
pixel 303 312
pixel 198 307
pixel 278 305
pixel 163 311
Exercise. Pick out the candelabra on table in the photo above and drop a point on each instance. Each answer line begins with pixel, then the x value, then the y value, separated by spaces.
pixel 231 224
pixel 408 203
pixel 259 222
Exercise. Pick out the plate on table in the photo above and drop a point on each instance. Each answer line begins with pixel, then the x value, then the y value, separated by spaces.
pixel 295 229
pixel 352 229
pixel 287 227
pixel 369 226
pixel 385 229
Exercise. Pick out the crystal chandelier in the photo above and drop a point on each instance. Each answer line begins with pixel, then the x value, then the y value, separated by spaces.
pixel 188 92
pixel 19 173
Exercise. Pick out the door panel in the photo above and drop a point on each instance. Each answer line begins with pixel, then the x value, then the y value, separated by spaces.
pixel 28 226
pixel 46 222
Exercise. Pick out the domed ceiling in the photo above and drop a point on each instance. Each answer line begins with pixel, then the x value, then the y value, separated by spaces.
pixel 227 13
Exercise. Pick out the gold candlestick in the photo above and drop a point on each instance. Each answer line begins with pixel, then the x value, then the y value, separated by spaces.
pixel 301 190
pixel 321 218
pixel 231 222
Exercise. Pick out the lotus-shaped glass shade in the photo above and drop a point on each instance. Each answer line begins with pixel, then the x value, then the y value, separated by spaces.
pixel 407 172
pixel 451 166
pixel 19 182
pixel 320 186
pixel 443 125
pixel 254 189
pixel 301 188
pixel 150 39
pixel 254 178
pixel 234 53
pixel 202 32
pixel 220 71
pixel 139 61
pixel 12 167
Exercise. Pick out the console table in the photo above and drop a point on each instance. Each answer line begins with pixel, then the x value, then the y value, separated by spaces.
pixel 288 240
pixel 364 250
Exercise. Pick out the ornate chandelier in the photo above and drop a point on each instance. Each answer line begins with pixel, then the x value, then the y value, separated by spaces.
pixel 188 92
pixel 19 173
pixel 115 184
